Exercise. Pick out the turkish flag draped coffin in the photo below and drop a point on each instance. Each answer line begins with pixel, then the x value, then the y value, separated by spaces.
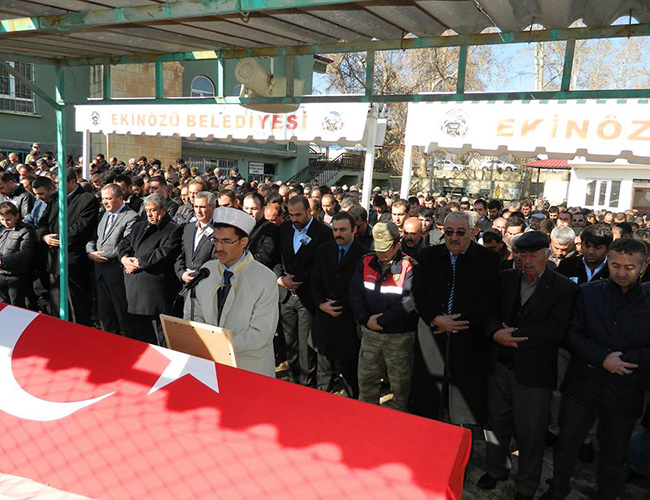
pixel 100 415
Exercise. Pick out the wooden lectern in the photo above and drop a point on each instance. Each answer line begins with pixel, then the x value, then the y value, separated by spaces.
pixel 198 339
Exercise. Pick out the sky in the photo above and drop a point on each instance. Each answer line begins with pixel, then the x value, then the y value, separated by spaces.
pixel 517 60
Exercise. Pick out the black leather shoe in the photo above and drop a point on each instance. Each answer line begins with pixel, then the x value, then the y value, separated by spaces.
pixel 521 496
pixel 487 482
pixel 586 453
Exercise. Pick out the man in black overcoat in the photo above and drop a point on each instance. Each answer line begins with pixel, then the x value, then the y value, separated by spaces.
pixel 264 239
pixel 83 212
pixel 148 255
pixel 456 289
pixel 334 331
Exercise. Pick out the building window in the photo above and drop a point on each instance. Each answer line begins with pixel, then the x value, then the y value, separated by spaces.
pixel 590 196
pixel 615 194
pixel 202 86
pixel 14 95
pixel 602 193
pixel 209 164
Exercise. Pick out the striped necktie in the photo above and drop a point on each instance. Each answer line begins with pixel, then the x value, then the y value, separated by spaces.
pixel 450 302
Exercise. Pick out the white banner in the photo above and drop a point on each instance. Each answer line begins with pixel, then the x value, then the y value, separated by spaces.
pixel 322 123
pixel 599 130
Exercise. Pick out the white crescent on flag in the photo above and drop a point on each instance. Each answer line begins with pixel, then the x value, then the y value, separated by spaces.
pixel 13 398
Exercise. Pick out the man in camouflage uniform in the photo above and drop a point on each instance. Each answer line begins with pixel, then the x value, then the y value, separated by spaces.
pixel 380 297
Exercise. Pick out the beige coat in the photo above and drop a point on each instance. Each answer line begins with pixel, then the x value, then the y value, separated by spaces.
pixel 250 311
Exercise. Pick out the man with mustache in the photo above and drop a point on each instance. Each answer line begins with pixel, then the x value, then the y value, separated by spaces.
pixel 526 330
pixel 334 330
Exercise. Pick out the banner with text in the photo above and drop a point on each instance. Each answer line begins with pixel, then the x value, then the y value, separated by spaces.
pixel 323 123
pixel 600 130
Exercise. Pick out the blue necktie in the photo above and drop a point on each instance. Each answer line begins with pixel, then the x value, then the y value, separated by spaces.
pixel 341 254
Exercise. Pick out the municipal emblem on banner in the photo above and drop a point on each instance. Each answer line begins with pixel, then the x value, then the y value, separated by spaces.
pixel 454 123
pixel 333 122
pixel 95 118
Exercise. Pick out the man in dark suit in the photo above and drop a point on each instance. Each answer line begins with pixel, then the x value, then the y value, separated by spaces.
pixel 586 268
pixel 592 264
pixel 334 331
pixel 148 255
pixel 299 240
pixel 264 240
pixel 526 331
pixel 11 190
pixel 83 211
pixel 198 247
pixel 158 185
pixel 185 214
pixel 449 288
pixel 363 235
pixel 131 199
pixel 114 225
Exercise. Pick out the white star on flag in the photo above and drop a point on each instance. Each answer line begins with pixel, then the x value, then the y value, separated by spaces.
pixel 181 364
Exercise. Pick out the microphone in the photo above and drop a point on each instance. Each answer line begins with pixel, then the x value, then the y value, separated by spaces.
pixel 200 275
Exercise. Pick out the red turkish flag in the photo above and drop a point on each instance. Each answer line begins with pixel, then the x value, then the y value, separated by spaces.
pixel 202 432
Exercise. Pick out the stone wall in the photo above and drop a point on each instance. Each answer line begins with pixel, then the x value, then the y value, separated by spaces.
pixel 137 80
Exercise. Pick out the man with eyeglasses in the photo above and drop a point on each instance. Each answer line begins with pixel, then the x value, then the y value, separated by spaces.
pixel 240 294
pixel 449 288
pixel 579 220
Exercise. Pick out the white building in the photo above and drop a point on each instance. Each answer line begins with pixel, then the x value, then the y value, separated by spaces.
pixel 616 186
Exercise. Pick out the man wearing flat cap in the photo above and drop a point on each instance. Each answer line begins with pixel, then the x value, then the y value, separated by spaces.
pixel 525 332
pixel 240 294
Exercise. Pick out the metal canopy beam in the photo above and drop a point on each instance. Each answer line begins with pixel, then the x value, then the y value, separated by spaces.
pixel 441 97
pixel 171 11
pixel 618 31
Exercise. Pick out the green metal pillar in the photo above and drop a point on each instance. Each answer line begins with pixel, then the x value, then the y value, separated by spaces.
pixel 160 80
pixel 462 69
pixel 63 192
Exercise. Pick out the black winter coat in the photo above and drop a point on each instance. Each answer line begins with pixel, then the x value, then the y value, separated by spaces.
pixel 83 214
pixel 544 319
pixel 605 320
pixel 264 243
pixel 335 337
pixel 151 290
pixel 476 297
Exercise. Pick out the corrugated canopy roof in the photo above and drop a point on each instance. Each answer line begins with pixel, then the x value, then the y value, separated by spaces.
pixel 83 29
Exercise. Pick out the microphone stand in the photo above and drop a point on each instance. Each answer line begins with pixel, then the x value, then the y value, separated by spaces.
pixel 192 298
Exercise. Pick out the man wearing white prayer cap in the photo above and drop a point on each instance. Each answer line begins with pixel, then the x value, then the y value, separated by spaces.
pixel 240 294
